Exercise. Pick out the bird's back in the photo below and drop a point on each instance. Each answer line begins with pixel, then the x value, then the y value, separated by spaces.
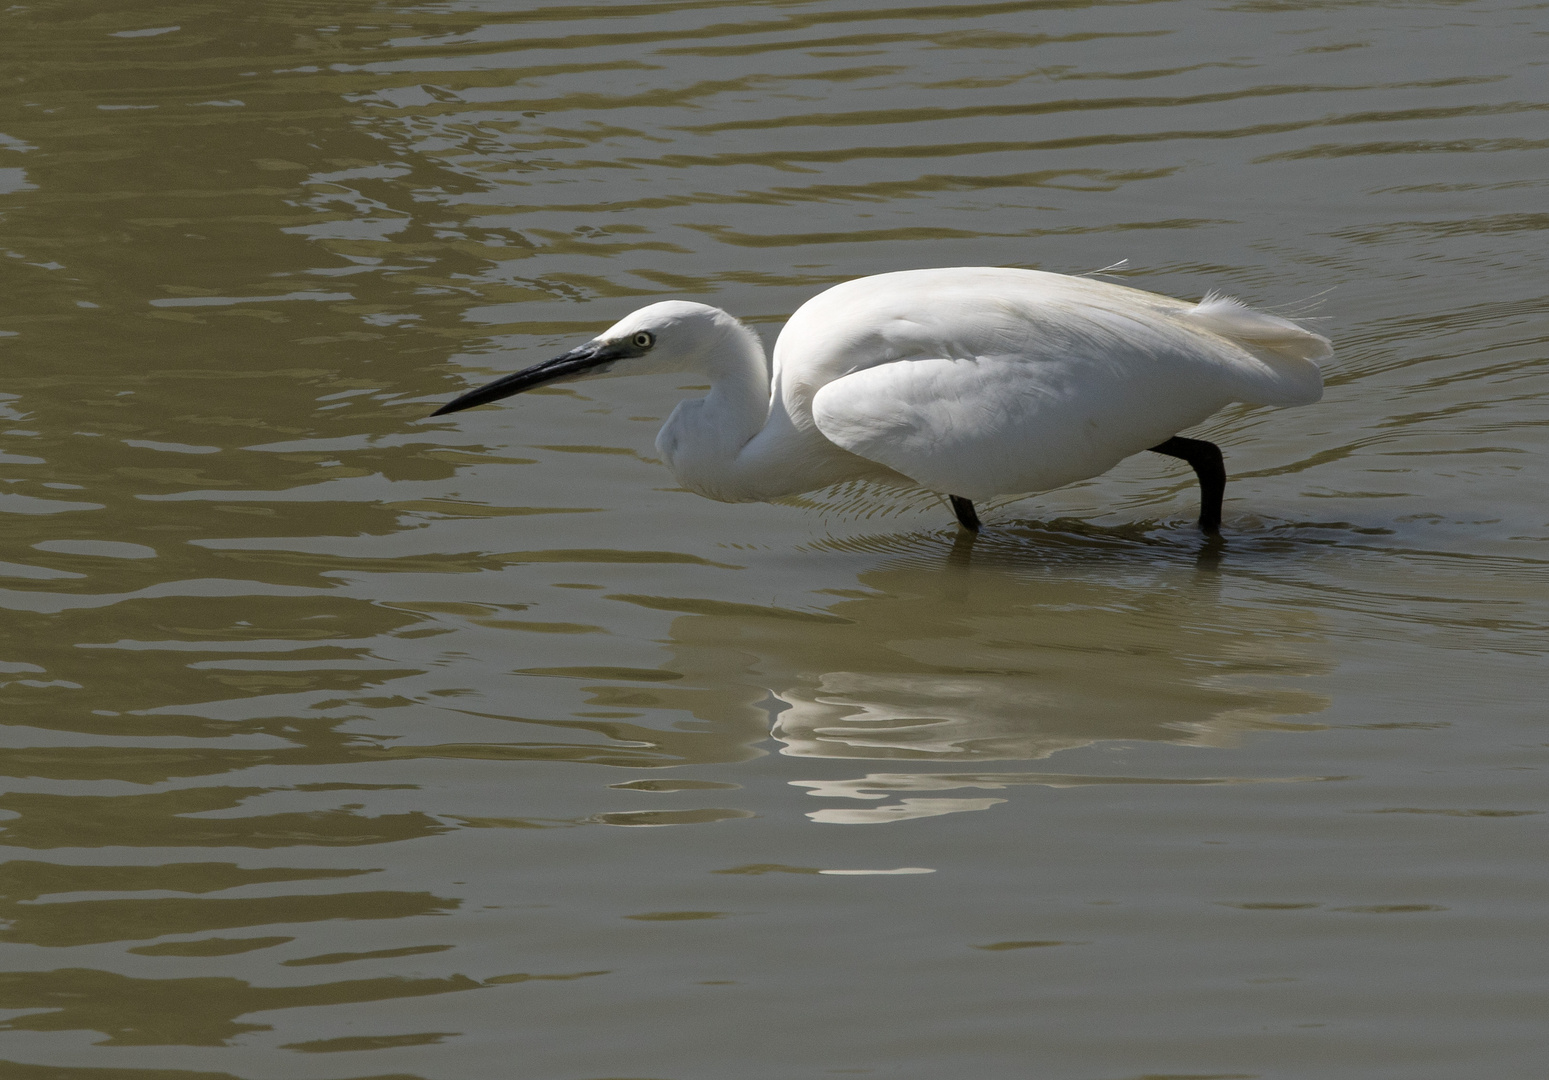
pixel 986 381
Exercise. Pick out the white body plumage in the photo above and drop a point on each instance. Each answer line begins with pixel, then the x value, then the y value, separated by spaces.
pixel 969 381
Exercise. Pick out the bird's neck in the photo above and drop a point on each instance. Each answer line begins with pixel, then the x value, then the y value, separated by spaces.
pixel 703 439
pixel 739 385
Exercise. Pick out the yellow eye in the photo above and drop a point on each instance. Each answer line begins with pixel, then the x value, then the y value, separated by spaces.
pixel 643 340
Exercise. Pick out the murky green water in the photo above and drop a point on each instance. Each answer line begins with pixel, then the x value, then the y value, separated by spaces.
pixel 335 737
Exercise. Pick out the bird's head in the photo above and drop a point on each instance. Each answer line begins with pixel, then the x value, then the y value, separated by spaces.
pixel 674 335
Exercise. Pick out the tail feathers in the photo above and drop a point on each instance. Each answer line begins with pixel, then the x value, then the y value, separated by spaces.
pixel 1291 352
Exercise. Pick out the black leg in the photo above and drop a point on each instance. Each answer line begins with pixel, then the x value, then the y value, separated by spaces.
pixel 1209 466
pixel 965 513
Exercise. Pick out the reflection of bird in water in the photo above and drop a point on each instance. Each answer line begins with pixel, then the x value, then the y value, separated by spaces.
pixel 970 382
pixel 992 666
pixel 914 663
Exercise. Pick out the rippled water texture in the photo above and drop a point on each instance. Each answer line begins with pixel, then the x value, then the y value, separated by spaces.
pixel 344 743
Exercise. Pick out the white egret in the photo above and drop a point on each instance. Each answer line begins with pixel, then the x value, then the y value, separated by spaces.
pixel 970 382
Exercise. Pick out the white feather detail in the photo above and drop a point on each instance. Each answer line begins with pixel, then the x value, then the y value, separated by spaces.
pixel 1292 351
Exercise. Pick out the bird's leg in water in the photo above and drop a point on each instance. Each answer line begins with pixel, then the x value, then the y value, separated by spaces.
pixel 1205 457
pixel 964 510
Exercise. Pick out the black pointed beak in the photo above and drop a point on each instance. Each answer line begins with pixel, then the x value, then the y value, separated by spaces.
pixel 589 357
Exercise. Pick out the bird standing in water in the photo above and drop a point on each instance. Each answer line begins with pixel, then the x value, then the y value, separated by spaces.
pixel 971 382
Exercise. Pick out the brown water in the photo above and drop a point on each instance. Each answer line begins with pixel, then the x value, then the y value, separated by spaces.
pixel 333 734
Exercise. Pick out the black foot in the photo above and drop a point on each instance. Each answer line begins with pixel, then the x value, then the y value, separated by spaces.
pixel 1210 467
pixel 965 513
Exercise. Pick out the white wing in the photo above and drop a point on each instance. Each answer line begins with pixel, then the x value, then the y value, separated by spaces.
pixel 982 383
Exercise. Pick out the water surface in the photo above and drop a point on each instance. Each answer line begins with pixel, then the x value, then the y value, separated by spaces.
pixel 343 743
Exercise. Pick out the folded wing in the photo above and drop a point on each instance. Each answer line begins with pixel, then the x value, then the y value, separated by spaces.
pixel 1062 388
